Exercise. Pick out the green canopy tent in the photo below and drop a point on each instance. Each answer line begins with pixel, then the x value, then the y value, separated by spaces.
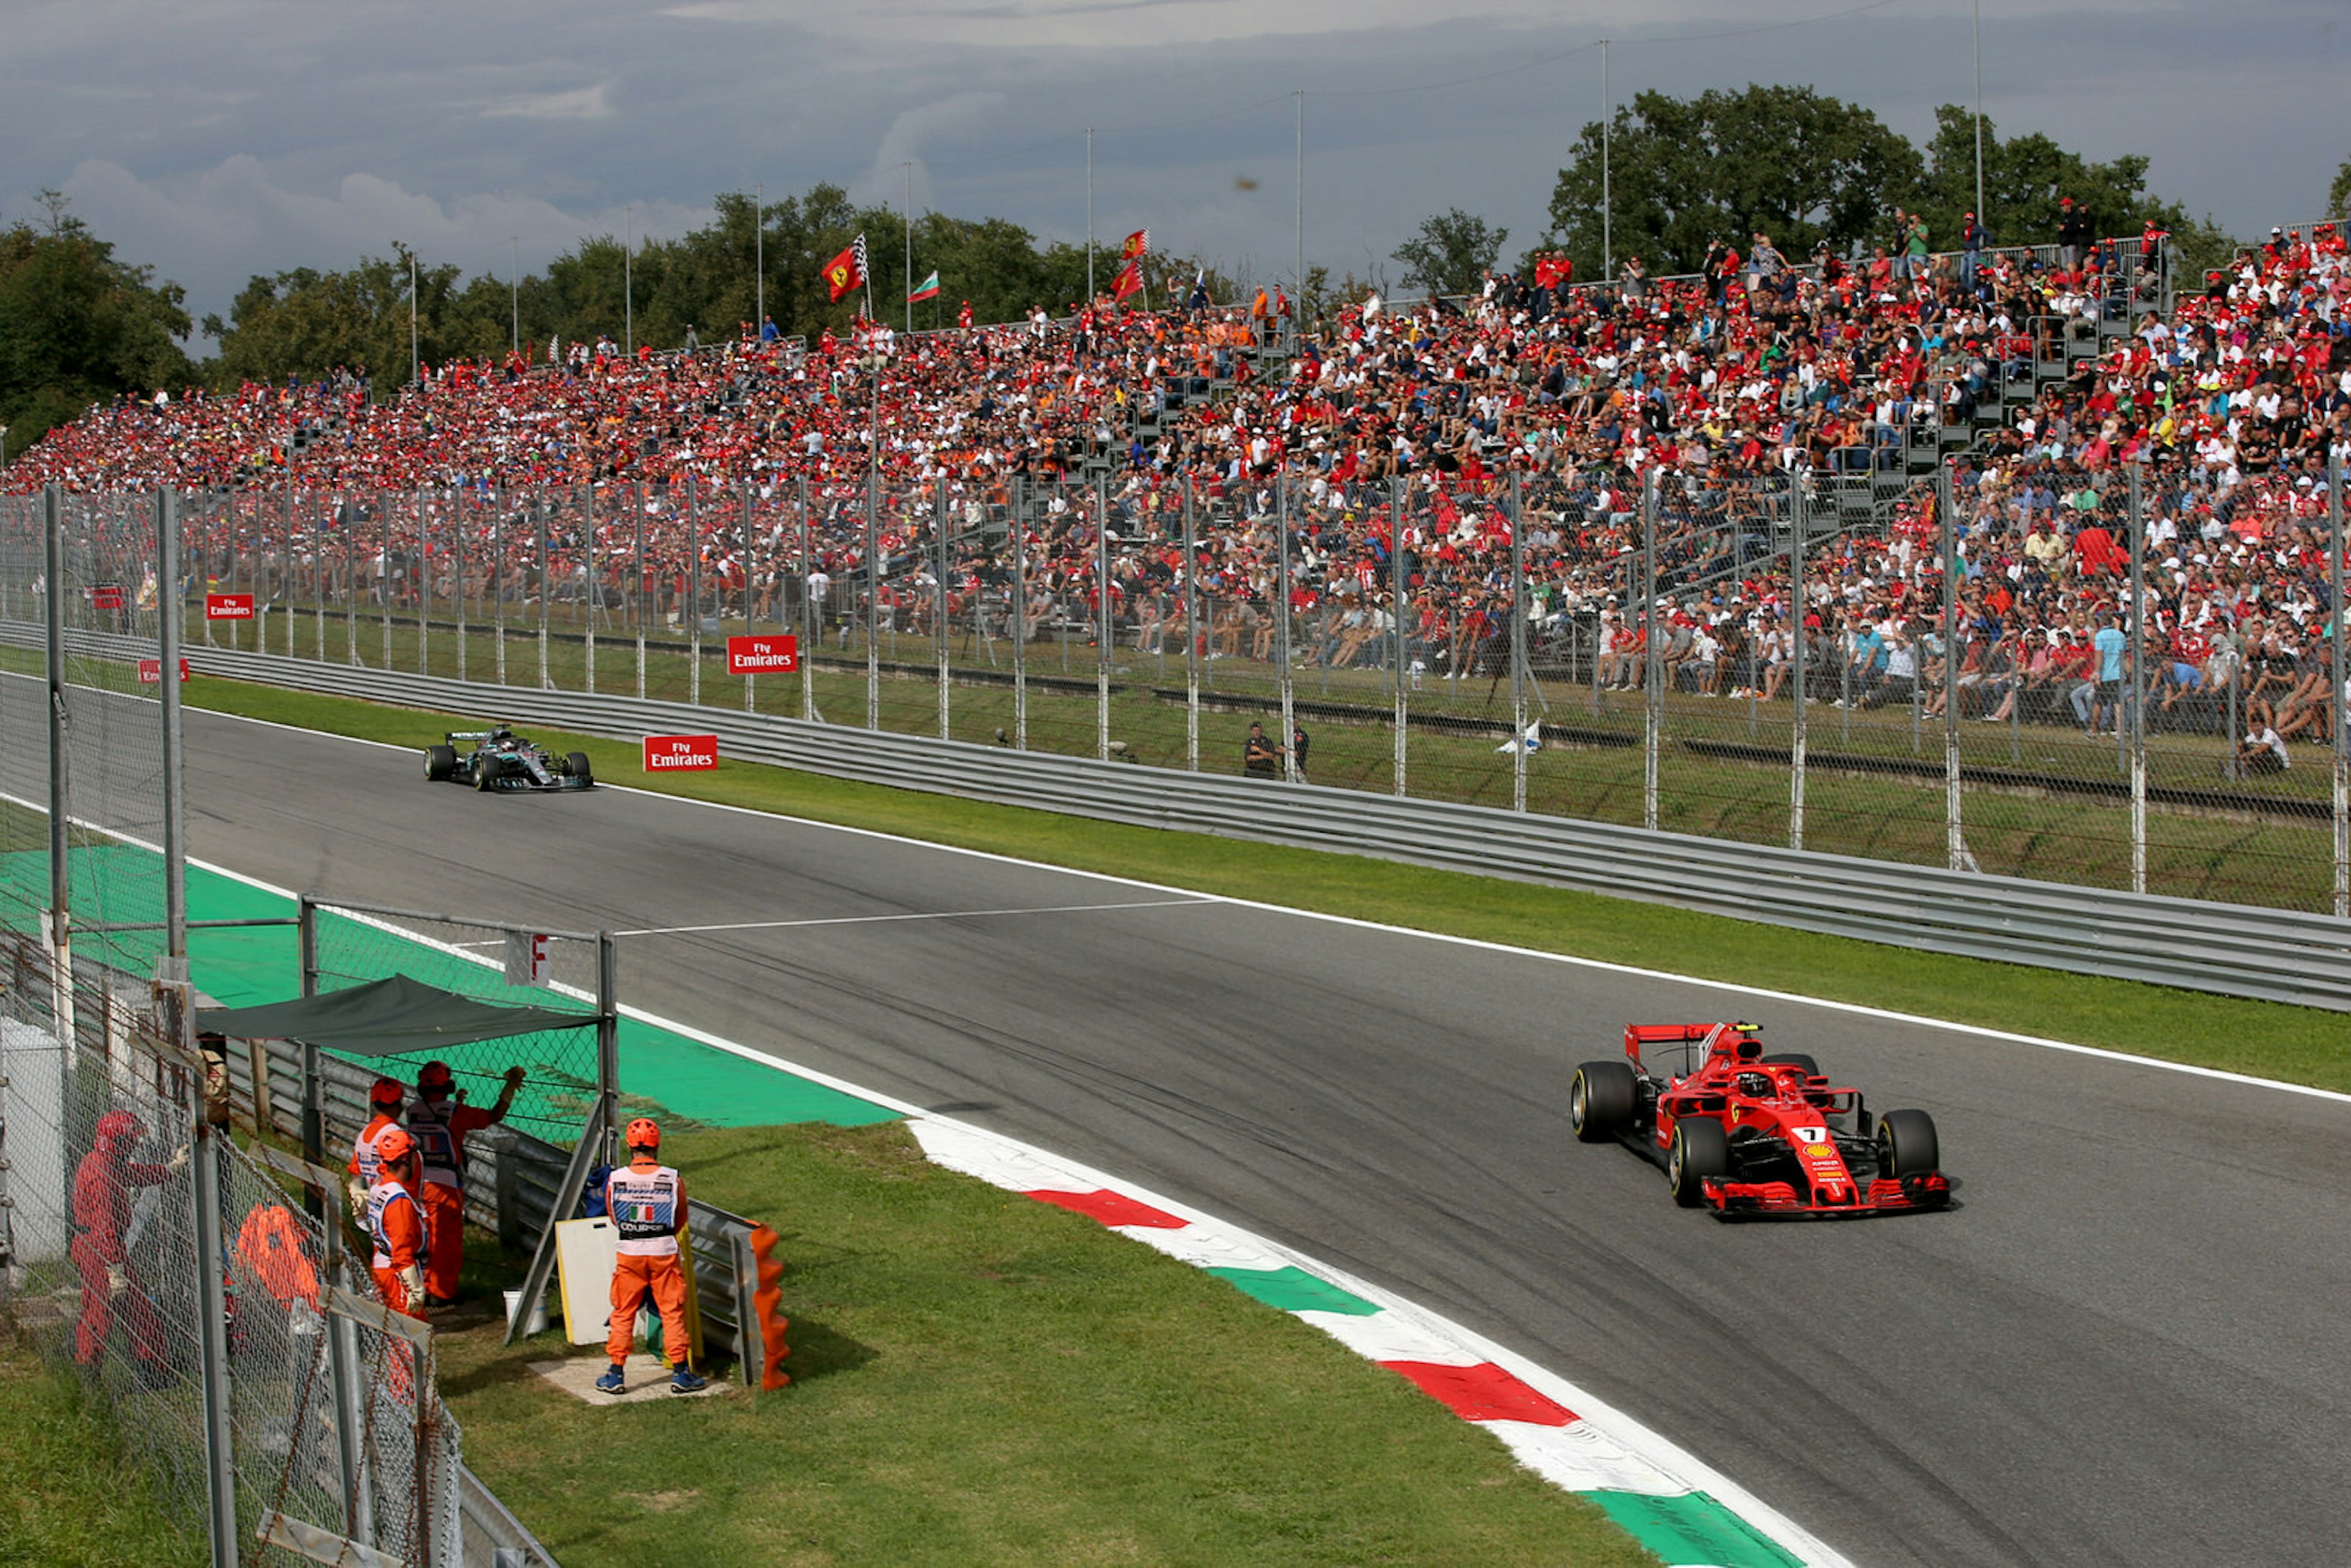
pixel 396 1016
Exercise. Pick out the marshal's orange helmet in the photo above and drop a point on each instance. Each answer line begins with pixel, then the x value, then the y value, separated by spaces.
pixel 643 1134
pixel 394 1146
pixel 435 1080
pixel 386 1095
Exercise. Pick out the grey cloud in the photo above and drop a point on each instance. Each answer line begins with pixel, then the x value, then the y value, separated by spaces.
pixel 240 136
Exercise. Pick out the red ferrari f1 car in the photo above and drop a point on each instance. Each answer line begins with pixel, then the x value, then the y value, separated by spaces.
pixel 1746 1133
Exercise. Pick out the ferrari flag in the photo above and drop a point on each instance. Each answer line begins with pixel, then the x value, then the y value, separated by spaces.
pixel 928 288
pixel 1129 280
pixel 1137 243
pixel 846 272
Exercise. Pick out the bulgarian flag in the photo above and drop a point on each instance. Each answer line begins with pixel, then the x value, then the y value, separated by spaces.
pixel 928 288
pixel 847 272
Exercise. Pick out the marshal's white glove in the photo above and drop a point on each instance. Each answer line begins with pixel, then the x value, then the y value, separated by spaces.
pixel 357 1191
pixel 179 1161
pixel 117 1283
pixel 412 1279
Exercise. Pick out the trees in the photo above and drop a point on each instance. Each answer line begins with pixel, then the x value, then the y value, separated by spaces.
pixel 78 326
pixel 2338 195
pixel 1792 163
pixel 2026 177
pixel 1451 253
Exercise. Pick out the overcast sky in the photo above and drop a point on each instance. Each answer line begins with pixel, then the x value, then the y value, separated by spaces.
pixel 215 139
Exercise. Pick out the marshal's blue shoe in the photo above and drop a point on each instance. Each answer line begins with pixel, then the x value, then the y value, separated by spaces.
pixel 612 1382
pixel 685 1380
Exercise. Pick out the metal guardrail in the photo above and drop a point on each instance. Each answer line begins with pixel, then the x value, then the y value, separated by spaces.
pixel 2272 954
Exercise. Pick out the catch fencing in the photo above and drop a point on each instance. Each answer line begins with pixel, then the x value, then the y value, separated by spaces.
pixel 280 1410
pixel 1769 660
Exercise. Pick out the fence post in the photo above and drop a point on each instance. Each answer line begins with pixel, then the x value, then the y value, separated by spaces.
pixel 1797 610
pixel 1105 624
pixel 285 587
pixel 1652 662
pixel 1020 540
pixel 693 594
pixel 61 913
pixel 457 597
pixel 939 616
pixel 2336 697
pixel 2134 698
pixel 497 582
pixel 1518 648
pixel 873 595
pixel 1282 626
pixel 175 799
pixel 811 617
pixel 644 584
pixel 1399 596
pixel 1946 507
pixel 588 587
pixel 420 577
pixel 545 591
pixel 1191 637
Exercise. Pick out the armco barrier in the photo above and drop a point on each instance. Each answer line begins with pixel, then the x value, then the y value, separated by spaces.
pixel 2235 950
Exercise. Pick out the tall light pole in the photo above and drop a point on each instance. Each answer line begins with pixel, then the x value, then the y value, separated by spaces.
pixel 759 262
pixel 629 280
pixel 1299 276
pixel 416 355
pixel 1607 239
pixel 514 292
pixel 1089 216
pixel 909 166
pixel 1983 216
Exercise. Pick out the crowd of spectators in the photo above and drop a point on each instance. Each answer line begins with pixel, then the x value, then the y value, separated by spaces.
pixel 1742 393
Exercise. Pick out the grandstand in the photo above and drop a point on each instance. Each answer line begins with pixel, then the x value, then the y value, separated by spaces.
pixel 1825 405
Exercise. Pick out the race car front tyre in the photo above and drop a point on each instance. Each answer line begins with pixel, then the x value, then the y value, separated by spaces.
pixel 1907 1145
pixel 486 773
pixel 1601 1102
pixel 440 763
pixel 576 765
pixel 1700 1150
pixel 1796 1057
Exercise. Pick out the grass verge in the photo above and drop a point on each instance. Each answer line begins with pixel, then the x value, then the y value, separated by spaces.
pixel 2300 1045
pixel 70 1501
pixel 981 1378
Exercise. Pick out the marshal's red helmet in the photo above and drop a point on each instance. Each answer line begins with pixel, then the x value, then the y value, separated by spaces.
pixel 435 1080
pixel 392 1145
pixel 386 1095
pixel 643 1134
pixel 118 1130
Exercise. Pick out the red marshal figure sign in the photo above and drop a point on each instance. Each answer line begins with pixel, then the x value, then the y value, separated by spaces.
pixel 678 753
pixel 763 655
pixel 151 671
pixel 106 596
pixel 228 607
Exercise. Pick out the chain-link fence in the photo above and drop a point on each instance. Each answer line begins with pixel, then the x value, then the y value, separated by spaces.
pixel 1774 658
pixel 135 1231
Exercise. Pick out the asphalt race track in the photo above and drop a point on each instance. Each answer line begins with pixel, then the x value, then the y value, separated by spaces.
pixel 2126 1345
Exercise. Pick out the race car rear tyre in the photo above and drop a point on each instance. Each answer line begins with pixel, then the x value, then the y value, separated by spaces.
pixel 440 763
pixel 1907 1145
pixel 576 765
pixel 1797 1058
pixel 1602 1101
pixel 1700 1150
pixel 486 773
